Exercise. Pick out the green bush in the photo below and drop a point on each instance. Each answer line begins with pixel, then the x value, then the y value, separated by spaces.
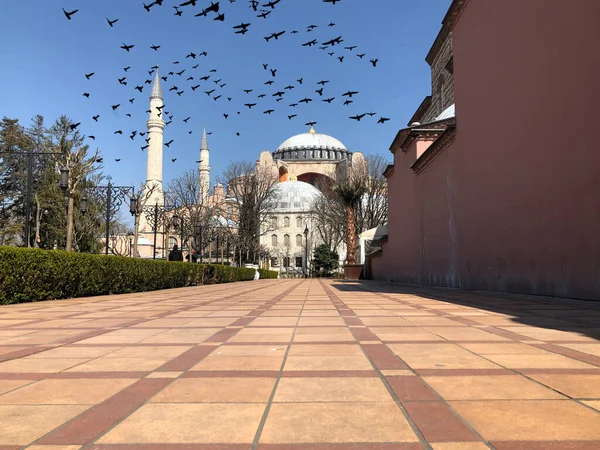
pixel 267 273
pixel 29 275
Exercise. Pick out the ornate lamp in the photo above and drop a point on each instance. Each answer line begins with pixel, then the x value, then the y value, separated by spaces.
pixel 63 182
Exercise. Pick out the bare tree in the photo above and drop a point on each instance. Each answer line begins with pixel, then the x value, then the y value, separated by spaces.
pixel 194 207
pixel 74 155
pixel 372 210
pixel 250 188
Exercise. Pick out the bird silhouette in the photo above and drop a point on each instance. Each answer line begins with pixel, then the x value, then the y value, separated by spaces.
pixel 374 62
pixel 358 117
pixel 89 75
pixel 112 22
pixel 69 14
pixel 127 47
pixel 383 120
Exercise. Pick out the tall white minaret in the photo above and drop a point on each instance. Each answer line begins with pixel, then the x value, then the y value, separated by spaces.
pixel 204 169
pixel 156 126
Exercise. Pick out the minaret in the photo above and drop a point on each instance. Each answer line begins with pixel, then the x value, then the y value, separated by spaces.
pixel 155 125
pixel 154 161
pixel 204 169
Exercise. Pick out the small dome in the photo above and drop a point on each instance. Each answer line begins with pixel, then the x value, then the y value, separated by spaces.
pixel 294 196
pixel 311 146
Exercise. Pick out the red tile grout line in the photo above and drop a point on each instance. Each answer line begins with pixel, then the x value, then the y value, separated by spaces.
pixel 405 412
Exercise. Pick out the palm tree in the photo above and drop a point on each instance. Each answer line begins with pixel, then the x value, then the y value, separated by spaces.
pixel 350 185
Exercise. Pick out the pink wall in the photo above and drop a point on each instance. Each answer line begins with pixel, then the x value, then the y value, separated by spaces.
pixel 514 203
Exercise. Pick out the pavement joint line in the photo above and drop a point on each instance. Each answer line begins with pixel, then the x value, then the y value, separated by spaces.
pixel 263 419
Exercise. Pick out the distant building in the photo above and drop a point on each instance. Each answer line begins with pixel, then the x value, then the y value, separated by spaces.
pixel 300 162
pixel 500 192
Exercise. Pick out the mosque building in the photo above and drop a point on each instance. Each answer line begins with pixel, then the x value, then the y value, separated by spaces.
pixel 301 163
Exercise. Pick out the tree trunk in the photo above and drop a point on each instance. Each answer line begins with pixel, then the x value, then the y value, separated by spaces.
pixel 38 218
pixel 350 235
pixel 70 209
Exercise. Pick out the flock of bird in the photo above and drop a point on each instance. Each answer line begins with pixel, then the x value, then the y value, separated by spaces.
pixel 189 80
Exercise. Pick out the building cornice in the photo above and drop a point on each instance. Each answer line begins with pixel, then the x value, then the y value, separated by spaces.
pixel 448 23
pixel 435 149
pixel 427 130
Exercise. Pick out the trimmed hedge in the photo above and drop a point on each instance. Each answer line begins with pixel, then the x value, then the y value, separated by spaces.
pixel 29 275
pixel 267 274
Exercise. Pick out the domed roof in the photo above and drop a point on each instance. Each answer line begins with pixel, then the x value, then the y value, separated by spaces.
pixel 294 196
pixel 311 146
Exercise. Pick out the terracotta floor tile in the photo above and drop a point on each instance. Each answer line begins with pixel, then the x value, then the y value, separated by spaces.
pixel 593 403
pixel 439 356
pixel 250 350
pixel 505 387
pixel 336 422
pixel 23 424
pixel 9 385
pixel 321 321
pixel 503 420
pixel 148 352
pixel 589 348
pixel 181 336
pixel 299 390
pixel 459 446
pixel 65 392
pixel 576 386
pixel 298 349
pixel 75 352
pixel 345 336
pixel 503 348
pixel 404 334
pixel 105 364
pixel 167 423
pixel 217 390
pixel 54 447
pixel 240 363
pixel 39 365
pixel 465 334
pixel 327 363
pixel 548 361
pixel 548 334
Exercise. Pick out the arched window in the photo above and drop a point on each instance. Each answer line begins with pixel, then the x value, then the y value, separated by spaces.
pixel 172 242
pixel 299 240
pixel 274 222
pixel 274 240
pixel 286 239
pixel 286 221
pixel 298 222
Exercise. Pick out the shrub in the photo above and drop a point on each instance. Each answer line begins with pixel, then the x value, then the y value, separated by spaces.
pixel 267 273
pixel 29 275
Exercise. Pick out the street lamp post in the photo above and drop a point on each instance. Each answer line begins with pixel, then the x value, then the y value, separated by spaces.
pixel 306 252
pixel 30 156
pixel 115 195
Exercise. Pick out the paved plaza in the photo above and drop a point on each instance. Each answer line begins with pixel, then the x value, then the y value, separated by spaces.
pixel 300 364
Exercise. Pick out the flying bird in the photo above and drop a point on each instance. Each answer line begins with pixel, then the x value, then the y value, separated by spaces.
pixel 357 117
pixel 383 120
pixel 112 22
pixel 69 14
pixel 127 47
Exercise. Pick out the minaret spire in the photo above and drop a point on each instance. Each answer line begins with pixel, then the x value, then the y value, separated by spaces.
pixel 204 169
pixel 154 164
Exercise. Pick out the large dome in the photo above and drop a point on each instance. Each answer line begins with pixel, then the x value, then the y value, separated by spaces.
pixel 312 146
pixel 294 196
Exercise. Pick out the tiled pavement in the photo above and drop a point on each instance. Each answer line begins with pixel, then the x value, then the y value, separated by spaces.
pixel 295 364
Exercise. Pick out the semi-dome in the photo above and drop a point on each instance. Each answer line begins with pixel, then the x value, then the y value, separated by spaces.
pixel 292 196
pixel 312 146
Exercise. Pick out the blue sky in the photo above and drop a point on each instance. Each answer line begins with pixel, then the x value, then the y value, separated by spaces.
pixel 45 56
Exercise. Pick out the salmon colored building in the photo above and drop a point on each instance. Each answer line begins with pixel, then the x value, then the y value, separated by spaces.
pixel 495 183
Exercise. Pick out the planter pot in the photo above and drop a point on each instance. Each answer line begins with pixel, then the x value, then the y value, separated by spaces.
pixel 352 271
